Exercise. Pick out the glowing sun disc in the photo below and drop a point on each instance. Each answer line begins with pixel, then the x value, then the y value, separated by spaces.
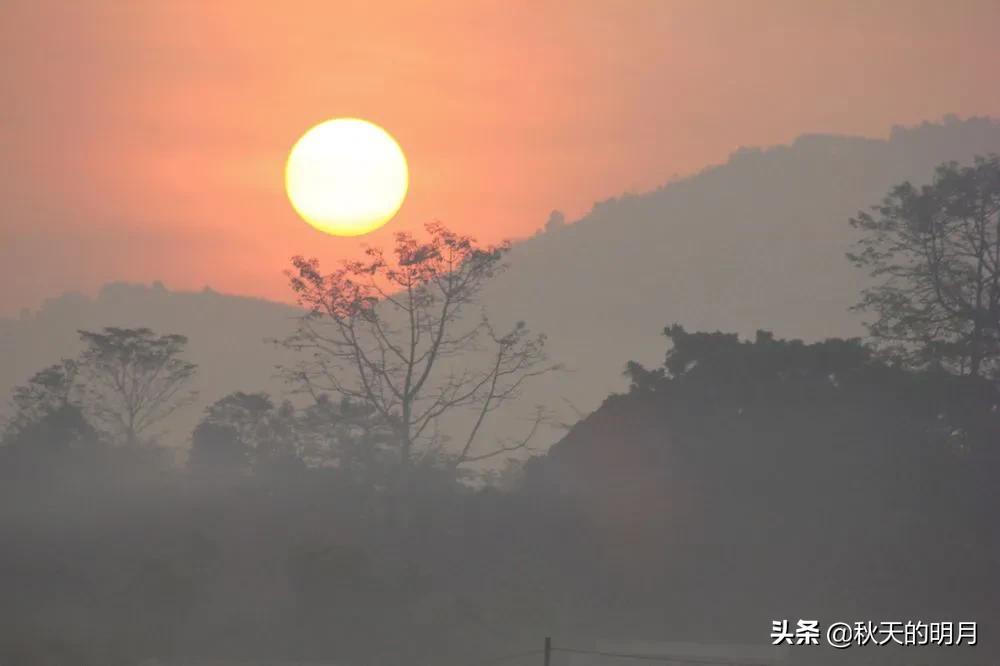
pixel 346 177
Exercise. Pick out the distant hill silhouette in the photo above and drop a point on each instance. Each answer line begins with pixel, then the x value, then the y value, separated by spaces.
pixel 757 242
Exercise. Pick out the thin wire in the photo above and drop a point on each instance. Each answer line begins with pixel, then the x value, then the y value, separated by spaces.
pixel 508 657
pixel 660 657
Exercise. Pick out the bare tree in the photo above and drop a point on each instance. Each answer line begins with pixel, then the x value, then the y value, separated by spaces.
pixel 134 379
pixel 935 253
pixel 391 331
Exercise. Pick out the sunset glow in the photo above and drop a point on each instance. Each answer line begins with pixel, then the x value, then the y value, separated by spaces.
pixel 172 122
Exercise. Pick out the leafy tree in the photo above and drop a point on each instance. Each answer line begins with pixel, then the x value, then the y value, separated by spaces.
pixel 134 379
pixel 391 332
pixel 48 429
pixel 49 390
pixel 216 447
pixel 935 254
pixel 247 431
pixel 350 436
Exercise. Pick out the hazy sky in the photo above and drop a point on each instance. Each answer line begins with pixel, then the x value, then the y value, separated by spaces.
pixel 145 140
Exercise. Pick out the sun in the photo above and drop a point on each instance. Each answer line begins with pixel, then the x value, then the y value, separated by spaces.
pixel 346 177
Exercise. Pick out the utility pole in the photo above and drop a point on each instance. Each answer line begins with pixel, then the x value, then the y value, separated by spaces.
pixel 548 650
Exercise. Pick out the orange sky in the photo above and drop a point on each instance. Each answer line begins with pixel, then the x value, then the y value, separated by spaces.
pixel 146 139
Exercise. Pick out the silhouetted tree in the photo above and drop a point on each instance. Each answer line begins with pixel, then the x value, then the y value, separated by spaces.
pixel 555 222
pixel 935 253
pixel 48 391
pixel 390 331
pixel 350 436
pixel 60 440
pixel 247 431
pixel 217 447
pixel 48 431
pixel 134 379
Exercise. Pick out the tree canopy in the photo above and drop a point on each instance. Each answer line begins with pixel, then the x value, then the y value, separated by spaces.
pixel 934 252
pixel 135 379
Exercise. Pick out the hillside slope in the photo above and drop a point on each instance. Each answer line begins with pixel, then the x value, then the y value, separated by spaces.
pixel 757 242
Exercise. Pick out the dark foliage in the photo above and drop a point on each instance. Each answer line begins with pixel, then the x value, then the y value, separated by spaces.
pixel 748 480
